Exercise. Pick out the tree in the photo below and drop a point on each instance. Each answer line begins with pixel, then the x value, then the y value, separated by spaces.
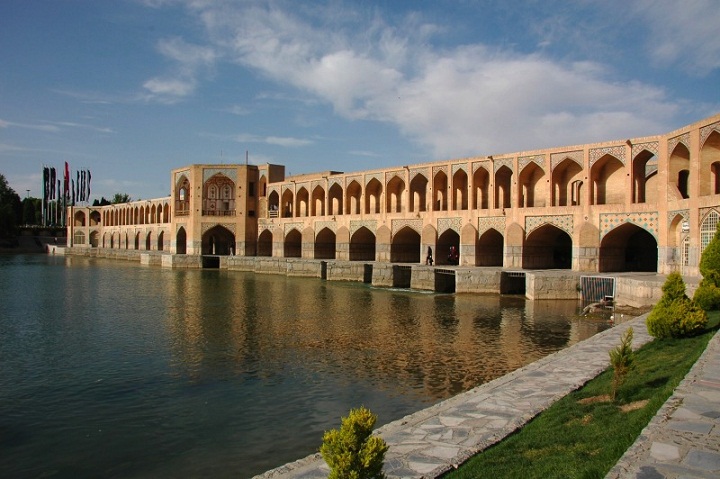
pixel 102 202
pixel 621 359
pixel 120 198
pixel 707 296
pixel 10 209
pixel 29 214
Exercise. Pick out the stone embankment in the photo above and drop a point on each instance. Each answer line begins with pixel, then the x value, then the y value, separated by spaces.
pixel 435 440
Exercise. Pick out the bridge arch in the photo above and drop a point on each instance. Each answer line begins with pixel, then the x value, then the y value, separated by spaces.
pixel 362 245
pixel 218 240
pixel 547 247
pixel 325 244
pixel 628 248
pixel 405 246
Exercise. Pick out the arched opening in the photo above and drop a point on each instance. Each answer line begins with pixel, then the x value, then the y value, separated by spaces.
pixel 292 246
pixel 405 247
pixel 564 176
pixel 219 196
pixel 460 190
pixel 273 204
pixel 218 240
pixel 265 243
pixel 447 250
pixel 373 191
pixel 325 244
pixel 182 197
pixel 418 194
pixel 440 188
pixel 79 237
pixel 94 218
pixel 547 247
pixel 354 193
pixel 287 203
pixel 161 241
pixel 481 189
pixel 94 239
pixel 679 171
pixel 503 180
pixel 489 249
pixel 708 227
pixel 628 248
pixel 148 243
pixel 136 243
pixel 302 202
pixel 645 167
pixel 362 245
pixel 394 197
pixel 710 165
pixel 335 200
pixel 79 219
pixel 607 180
pixel 530 186
pixel 318 201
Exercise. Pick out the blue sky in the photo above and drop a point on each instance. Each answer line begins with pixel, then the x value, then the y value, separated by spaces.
pixel 131 89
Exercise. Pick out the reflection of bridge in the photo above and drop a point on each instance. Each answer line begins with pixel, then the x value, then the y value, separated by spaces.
pixel 645 204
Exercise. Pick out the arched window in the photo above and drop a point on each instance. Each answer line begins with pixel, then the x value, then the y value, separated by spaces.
pixel 708 228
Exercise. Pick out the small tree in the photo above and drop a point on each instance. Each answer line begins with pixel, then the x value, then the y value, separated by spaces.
pixel 621 359
pixel 351 451
pixel 675 315
pixel 707 296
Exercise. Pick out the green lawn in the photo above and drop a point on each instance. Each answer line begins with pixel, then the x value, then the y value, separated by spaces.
pixel 573 439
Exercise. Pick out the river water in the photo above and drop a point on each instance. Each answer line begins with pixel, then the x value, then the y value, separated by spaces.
pixel 113 369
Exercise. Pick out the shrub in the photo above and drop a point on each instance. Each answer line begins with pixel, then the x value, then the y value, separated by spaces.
pixel 621 359
pixel 710 259
pixel 707 296
pixel 675 315
pixel 351 451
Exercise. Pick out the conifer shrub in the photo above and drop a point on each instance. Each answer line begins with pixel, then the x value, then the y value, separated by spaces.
pixel 351 451
pixel 675 315
pixel 621 360
pixel 707 296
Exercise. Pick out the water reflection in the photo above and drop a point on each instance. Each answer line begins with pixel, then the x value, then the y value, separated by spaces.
pixel 118 369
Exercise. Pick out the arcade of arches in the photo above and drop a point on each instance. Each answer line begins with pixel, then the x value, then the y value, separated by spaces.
pixel 645 204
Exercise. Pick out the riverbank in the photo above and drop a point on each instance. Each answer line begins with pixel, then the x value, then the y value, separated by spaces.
pixel 433 441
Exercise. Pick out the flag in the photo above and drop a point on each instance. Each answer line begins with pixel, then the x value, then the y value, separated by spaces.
pixel 88 184
pixel 67 179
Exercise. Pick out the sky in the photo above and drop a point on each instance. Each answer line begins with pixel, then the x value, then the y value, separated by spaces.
pixel 131 89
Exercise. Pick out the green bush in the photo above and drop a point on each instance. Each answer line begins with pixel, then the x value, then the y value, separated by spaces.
pixel 675 315
pixel 710 259
pixel 351 451
pixel 707 296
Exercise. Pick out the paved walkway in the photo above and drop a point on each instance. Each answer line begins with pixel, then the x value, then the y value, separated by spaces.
pixel 434 440
pixel 683 440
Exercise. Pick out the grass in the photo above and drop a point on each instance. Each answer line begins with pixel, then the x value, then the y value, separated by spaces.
pixel 582 436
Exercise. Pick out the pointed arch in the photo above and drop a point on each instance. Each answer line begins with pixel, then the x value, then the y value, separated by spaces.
pixel 679 172
pixel 547 247
pixel 218 240
pixel 302 202
pixel 405 246
pixel 362 245
pixel 564 177
pixel 644 184
pixel 489 249
pixel 181 241
pixel 418 193
pixel 292 246
pixel 440 188
pixel 607 181
pixel 335 200
pixel 373 192
pixel 448 248
pixel 325 242
pixel 503 182
pixel 530 186
pixel 460 190
pixel 353 195
pixel 628 248
pixel 710 165
pixel 318 201
pixel 265 243
pixel 394 196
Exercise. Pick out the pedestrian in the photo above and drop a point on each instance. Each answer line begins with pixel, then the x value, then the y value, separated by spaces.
pixel 429 258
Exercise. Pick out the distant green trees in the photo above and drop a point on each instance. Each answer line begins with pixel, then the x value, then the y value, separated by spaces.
pixel 10 209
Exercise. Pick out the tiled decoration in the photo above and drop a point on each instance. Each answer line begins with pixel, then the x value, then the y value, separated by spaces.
pixel 647 221
pixel 564 222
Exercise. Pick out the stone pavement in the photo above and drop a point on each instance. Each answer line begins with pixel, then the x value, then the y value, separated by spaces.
pixel 434 440
pixel 683 440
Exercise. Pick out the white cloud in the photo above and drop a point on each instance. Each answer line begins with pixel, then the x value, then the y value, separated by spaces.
pixel 463 100
pixel 48 128
pixel 287 142
pixel 683 33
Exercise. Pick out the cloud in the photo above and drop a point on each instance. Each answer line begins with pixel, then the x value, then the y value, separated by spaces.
pixel 287 142
pixel 48 128
pixel 455 101
pixel 682 33
pixel 188 60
